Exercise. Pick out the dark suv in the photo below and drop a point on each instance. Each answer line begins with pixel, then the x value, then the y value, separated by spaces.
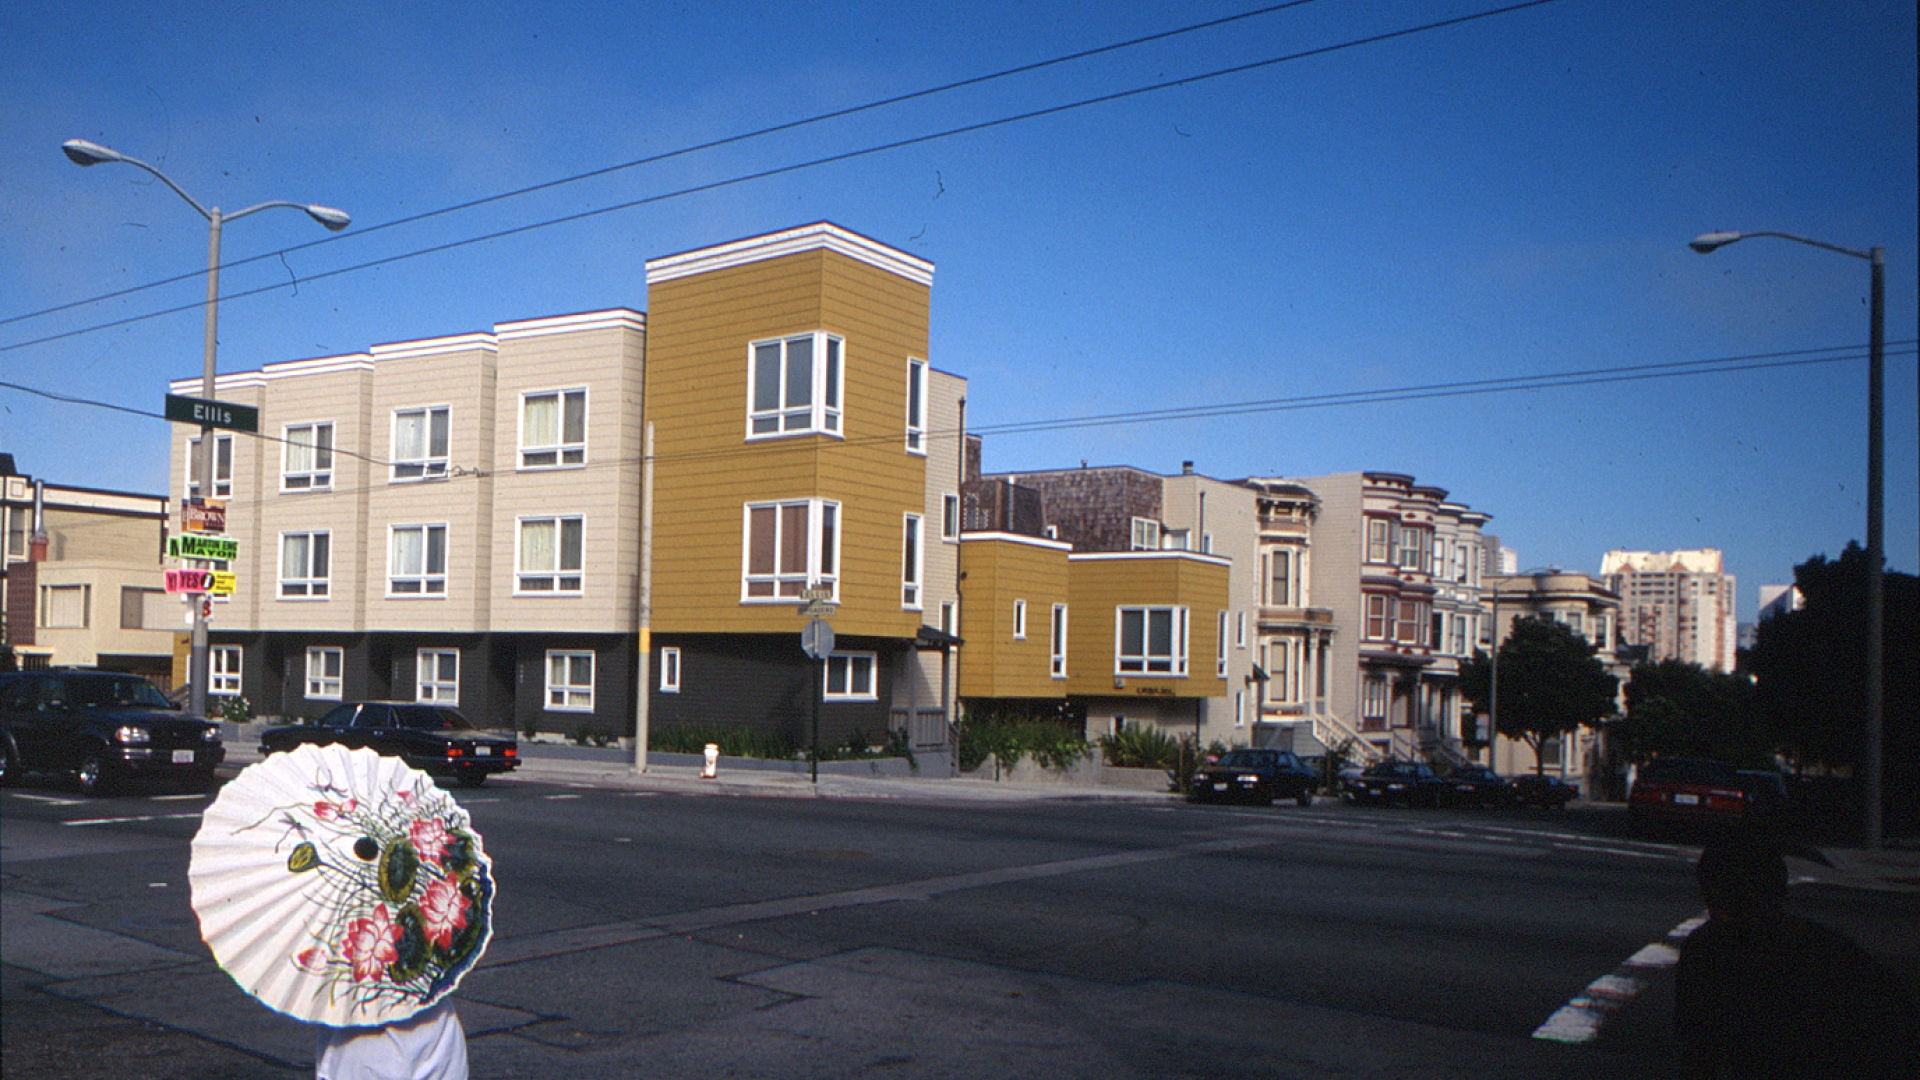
pixel 102 728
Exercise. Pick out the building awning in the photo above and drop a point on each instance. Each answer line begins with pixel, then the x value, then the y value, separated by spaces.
pixel 929 638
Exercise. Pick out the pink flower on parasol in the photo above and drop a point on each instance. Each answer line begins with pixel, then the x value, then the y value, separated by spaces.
pixel 371 944
pixel 430 838
pixel 443 911
pixel 329 811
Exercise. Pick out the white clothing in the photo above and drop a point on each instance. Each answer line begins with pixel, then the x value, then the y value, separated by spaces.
pixel 427 1046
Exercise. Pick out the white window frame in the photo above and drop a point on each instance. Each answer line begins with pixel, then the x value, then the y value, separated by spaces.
pixel 53 613
pixel 950 518
pixel 322 685
pixel 913 561
pixel 949 617
pixel 916 406
pixel 1411 553
pixel 847 668
pixel 428 684
pixel 562 452
pixel 1146 534
pixel 223 670
pixel 1378 609
pixel 222 468
pixel 1240 630
pixel 423 581
pixel 782 585
pixel 820 414
pixel 1239 708
pixel 317 474
pixel 669 669
pixel 314 581
pixel 1148 663
pixel 567 694
pixel 1019 620
pixel 1373 698
pixel 559 578
pixel 1057 642
pixel 429 463
pixel 1379 540
pixel 1220 647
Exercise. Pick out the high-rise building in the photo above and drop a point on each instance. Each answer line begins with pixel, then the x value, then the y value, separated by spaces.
pixel 1677 604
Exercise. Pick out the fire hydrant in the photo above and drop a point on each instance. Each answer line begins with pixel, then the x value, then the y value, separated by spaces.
pixel 711 770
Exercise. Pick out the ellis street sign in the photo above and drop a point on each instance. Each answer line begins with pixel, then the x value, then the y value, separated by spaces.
pixel 219 414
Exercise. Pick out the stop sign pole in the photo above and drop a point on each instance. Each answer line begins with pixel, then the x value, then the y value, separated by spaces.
pixel 817 642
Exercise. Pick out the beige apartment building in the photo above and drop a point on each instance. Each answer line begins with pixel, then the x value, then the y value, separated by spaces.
pixel 1679 605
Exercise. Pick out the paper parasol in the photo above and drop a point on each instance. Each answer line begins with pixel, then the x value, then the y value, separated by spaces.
pixel 341 887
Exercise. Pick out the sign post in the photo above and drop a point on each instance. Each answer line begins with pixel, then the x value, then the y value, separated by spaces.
pixel 816 640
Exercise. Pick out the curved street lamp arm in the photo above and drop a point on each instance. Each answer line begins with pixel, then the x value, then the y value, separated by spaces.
pixel 1707 242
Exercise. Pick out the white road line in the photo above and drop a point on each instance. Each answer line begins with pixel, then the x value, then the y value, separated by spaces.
pixel 553 798
pixel 130 818
pixel 175 798
pixel 1579 1020
pixel 53 799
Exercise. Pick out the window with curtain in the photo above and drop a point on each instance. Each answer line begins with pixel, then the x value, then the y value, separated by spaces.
pixel 552 555
pixel 553 429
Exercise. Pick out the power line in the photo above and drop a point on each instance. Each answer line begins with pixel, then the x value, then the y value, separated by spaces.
pixel 830 159
pixel 684 151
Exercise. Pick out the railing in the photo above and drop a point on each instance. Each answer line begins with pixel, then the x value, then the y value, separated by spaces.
pixel 1332 731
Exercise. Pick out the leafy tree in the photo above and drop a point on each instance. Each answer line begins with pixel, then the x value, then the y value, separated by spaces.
pixel 1680 708
pixel 1809 669
pixel 1550 683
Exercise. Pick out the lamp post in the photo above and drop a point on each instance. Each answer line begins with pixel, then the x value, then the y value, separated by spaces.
pixel 84 153
pixel 1876 486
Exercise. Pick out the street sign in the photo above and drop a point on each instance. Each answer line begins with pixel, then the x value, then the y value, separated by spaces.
pixel 201 546
pixel 817 592
pixel 816 640
pixel 817 609
pixel 219 414
pixel 200 516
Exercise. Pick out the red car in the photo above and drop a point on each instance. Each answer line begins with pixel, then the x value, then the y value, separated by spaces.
pixel 1686 791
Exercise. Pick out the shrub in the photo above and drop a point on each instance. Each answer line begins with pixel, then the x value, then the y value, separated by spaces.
pixel 1139 746
pixel 236 710
pixel 1010 733
pixel 733 741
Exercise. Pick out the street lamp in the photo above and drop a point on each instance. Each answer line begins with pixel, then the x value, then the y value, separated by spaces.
pixel 1876 486
pixel 84 153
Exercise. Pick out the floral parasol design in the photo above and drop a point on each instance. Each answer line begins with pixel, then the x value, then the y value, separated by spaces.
pixel 341 887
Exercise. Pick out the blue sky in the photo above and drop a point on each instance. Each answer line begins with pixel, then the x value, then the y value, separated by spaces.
pixel 1507 197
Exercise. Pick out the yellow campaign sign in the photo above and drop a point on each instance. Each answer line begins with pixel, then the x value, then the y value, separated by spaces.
pixel 224 582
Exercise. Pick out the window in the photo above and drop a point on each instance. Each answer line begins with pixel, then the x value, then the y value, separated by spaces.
pixel 1460 563
pixel 1379 616
pixel 950 517
pixel 1575 623
pixel 437 676
pixel 303 564
pixel 949 618
pixel 669 670
pixel 1019 620
pixel 1146 535
pixel 789 546
pixel 911 564
pixel 145 609
pixel 309 458
pixel 917 406
pixel 1240 631
pixel 222 467
pixel 550 555
pixel 1057 643
pixel 1412 623
pixel 1239 708
pixel 223 670
pixel 1439 563
pixel 420 443
pixel 1279 671
pixel 850 677
pixel 793 386
pixel 323 673
pixel 1413 549
pixel 553 429
pixel 569 681
pixel 417 561
pixel 1373 703
pixel 1174 540
pixel 1459 636
pixel 1379 540
pixel 64 607
pixel 1151 641
pixel 1438 637
pixel 1600 632
pixel 17 530
pixel 1280 587
pixel 1220 647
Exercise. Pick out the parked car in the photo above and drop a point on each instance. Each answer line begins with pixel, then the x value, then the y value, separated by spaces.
pixel 1476 785
pixel 1686 792
pixel 1411 782
pixel 1256 776
pixel 103 728
pixel 1541 789
pixel 432 738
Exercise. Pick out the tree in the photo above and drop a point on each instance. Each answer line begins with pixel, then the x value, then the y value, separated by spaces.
pixel 1809 669
pixel 1680 708
pixel 1550 683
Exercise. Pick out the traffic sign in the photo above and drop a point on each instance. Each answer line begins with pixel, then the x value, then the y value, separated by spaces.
pixel 817 609
pixel 219 414
pixel 202 546
pixel 816 640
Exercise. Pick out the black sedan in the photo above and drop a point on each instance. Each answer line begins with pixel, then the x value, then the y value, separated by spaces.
pixel 432 738
pixel 1539 789
pixel 103 728
pixel 1477 785
pixel 1411 782
pixel 1254 776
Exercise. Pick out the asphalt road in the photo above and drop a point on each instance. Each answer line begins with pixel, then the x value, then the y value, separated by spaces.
pixel 654 933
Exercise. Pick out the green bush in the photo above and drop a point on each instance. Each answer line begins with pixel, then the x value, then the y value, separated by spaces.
pixel 236 710
pixel 1139 746
pixel 1010 734
pixel 733 741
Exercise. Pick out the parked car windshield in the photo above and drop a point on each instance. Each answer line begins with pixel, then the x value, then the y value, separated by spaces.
pixel 1248 759
pixel 429 718
pixel 111 692
pixel 1689 771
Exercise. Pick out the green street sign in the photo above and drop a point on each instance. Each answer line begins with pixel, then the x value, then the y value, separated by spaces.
pixel 198 546
pixel 220 414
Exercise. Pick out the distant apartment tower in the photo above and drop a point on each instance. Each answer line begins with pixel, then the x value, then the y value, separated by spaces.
pixel 1677 604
